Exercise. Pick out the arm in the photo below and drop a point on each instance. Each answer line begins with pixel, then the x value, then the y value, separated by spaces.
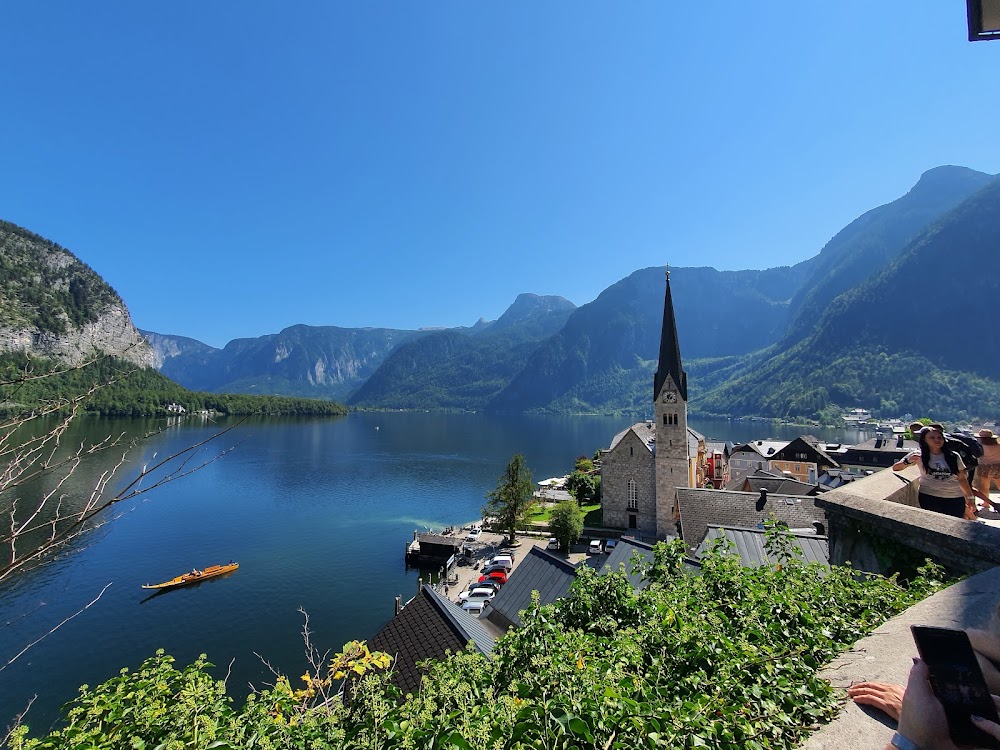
pixel 907 460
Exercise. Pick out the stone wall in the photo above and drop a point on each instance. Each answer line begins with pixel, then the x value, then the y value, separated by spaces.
pixel 875 525
pixel 629 459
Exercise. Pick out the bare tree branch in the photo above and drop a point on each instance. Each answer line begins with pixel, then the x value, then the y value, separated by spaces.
pixel 38 640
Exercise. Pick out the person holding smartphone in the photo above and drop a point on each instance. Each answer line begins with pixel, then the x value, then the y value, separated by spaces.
pixel 944 486
pixel 922 721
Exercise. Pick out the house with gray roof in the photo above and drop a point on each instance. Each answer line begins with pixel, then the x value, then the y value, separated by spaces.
pixel 630 556
pixel 540 571
pixel 773 483
pixel 749 544
pixel 700 508
pixel 875 454
pixel 747 458
pixel 428 627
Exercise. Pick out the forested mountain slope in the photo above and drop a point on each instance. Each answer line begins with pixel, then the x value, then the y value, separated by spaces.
pixel 603 359
pixel 869 242
pixel 919 337
pixel 54 305
pixel 464 368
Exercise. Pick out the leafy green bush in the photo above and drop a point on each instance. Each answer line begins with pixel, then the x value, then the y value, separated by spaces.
pixel 725 659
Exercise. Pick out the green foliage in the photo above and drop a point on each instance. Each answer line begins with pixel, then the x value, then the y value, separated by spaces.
pixel 726 659
pixel 566 523
pixel 586 488
pixel 509 504
pixel 45 287
pixel 583 464
pixel 121 390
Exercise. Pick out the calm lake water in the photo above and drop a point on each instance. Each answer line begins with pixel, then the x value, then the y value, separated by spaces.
pixel 317 513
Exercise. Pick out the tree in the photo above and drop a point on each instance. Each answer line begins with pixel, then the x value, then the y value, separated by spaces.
pixel 586 488
pixel 583 464
pixel 566 524
pixel 511 501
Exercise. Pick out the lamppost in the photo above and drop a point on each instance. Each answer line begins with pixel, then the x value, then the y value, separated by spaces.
pixel 984 19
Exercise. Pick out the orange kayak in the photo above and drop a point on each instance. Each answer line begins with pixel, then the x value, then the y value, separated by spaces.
pixel 194 576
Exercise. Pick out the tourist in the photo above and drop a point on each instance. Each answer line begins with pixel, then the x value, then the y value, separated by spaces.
pixel 922 721
pixel 944 486
pixel 989 464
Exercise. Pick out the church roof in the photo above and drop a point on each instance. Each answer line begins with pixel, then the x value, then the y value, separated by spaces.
pixel 670 350
pixel 645 431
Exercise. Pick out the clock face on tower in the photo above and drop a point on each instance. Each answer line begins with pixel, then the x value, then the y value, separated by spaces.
pixel 670 397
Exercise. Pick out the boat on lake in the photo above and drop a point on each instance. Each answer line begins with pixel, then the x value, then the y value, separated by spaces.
pixel 196 575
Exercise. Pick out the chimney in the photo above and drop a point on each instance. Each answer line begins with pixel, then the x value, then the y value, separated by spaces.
pixel 399 604
pixel 762 500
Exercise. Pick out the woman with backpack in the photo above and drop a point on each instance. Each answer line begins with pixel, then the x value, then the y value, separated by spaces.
pixel 944 486
pixel 988 473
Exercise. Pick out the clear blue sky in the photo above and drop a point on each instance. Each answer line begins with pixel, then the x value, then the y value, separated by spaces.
pixel 232 168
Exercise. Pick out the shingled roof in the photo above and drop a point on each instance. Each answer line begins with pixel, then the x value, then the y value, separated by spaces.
pixel 773 483
pixel 700 508
pixel 749 545
pixel 625 553
pixel 428 627
pixel 539 571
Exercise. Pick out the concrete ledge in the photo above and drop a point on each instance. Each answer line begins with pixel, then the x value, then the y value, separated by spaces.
pixel 870 515
pixel 886 656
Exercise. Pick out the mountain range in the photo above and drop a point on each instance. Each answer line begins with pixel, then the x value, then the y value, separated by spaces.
pixel 893 314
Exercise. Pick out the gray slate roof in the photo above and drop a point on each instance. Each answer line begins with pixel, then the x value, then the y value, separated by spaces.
pixel 773 483
pixel 624 554
pixel 700 508
pixel 749 545
pixel 426 628
pixel 539 571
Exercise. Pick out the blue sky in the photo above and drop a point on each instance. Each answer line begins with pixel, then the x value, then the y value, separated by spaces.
pixel 232 168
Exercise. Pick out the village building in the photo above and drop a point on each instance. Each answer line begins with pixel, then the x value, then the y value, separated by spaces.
pixel 875 454
pixel 753 456
pixel 804 458
pixel 646 463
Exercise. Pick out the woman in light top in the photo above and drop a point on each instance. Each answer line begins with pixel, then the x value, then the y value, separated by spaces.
pixel 944 486
pixel 988 472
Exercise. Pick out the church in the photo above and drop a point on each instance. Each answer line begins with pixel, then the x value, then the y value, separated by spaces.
pixel 646 463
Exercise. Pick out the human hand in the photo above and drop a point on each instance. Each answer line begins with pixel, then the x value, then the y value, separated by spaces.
pixel 990 727
pixel 922 719
pixel 881 695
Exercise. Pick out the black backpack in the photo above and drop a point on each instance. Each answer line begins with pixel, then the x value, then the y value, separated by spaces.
pixel 968 447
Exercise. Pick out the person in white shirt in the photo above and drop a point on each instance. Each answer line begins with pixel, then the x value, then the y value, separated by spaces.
pixel 944 485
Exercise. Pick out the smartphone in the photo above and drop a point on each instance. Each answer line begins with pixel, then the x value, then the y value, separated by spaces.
pixel 957 682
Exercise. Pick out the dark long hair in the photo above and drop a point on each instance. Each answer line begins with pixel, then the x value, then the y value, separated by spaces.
pixel 925 452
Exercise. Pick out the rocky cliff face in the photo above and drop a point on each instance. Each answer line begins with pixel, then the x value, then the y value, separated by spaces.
pixel 52 305
pixel 111 334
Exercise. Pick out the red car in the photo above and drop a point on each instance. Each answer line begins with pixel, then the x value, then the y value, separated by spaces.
pixel 498 575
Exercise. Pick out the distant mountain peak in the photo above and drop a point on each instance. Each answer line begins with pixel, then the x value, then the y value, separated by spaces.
pixel 529 305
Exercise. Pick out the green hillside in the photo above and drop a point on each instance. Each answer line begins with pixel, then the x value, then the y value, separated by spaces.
pixel 121 390
pixel 44 286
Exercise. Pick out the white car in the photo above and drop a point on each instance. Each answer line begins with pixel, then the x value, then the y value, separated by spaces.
pixel 474 592
pixel 595 547
pixel 553 543
pixel 474 606
pixel 505 560
pixel 474 534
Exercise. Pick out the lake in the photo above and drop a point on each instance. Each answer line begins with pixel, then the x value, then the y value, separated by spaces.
pixel 317 513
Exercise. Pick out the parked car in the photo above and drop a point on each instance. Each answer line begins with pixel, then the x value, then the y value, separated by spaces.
pixel 553 543
pixel 482 592
pixel 595 547
pixel 474 606
pixel 609 545
pixel 473 534
pixel 499 576
pixel 494 568
pixel 506 560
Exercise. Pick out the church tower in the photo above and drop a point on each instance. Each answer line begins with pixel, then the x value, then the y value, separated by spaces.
pixel 670 410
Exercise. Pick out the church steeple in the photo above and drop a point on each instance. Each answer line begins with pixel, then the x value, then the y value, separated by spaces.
pixel 670 351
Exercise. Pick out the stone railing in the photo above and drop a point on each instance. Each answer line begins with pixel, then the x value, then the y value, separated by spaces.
pixel 875 525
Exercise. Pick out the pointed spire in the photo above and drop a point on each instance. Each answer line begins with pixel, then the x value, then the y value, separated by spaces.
pixel 670 350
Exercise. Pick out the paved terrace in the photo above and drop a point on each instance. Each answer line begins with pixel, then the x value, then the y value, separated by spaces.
pixel 873 521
